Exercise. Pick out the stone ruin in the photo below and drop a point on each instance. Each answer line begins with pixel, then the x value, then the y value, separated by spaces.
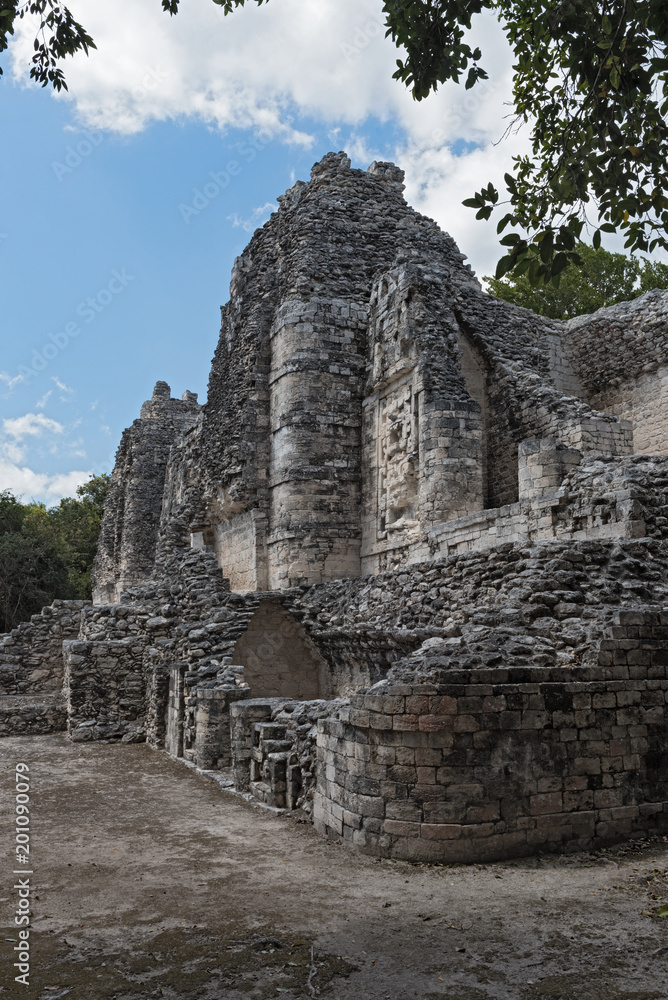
pixel 405 574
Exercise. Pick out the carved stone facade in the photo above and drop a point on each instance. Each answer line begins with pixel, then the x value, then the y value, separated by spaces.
pixel 406 570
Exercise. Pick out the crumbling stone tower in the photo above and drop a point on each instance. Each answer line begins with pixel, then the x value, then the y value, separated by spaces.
pixel 364 391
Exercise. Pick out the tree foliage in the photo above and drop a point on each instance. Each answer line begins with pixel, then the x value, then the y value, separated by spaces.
pixel 47 553
pixel 603 279
pixel 58 35
pixel 590 82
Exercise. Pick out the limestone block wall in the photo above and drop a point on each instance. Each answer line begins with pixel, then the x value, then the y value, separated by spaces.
pixel 281 465
pixel 27 715
pixel 240 545
pixel 32 670
pixel 212 723
pixel 543 466
pixel 553 595
pixel 520 370
pixel 619 354
pixel 422 432
pixel 501 762
pixel 156 665
pixel 278 657
pixel 243 717
pixel 274 749
pixel 606 498
pixel 644 403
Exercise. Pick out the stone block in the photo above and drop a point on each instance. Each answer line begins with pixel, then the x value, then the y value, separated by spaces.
pixel 545 802
pixel 441 831
pixel 405 723
pixel 436 723
pixel 399 828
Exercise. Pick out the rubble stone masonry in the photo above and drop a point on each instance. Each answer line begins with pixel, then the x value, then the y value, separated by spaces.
pixel 405 573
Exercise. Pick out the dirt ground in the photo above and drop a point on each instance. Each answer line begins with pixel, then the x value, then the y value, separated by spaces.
pixel 150 881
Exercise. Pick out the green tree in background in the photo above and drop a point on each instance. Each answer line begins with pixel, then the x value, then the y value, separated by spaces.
pixel 603 279
pixel 47 553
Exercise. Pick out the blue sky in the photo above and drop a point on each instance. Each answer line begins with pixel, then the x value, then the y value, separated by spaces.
pixel 93 215
pixel 110 279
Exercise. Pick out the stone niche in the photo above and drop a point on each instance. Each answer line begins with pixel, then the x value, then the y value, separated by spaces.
pixel 279 659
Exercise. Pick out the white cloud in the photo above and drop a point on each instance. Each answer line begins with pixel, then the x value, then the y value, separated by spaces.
pixel 327 58
pixel 263 67
pixel 31 425
pixel 256 218
pixel 16 473
pixel 10 380
pixel 43 400
pixel 31 485
pixel 12 452
pixel 63 388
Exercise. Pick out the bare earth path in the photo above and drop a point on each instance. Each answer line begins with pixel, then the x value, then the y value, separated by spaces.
pixel 152 882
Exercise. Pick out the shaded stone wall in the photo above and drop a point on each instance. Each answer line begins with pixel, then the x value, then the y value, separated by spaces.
pixel 32 670
pixel 105 688
pixel 278 657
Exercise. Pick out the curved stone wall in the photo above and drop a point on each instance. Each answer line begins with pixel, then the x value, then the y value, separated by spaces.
pixel 504 761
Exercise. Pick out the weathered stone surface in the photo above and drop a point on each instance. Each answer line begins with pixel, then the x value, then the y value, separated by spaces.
pixel 406 571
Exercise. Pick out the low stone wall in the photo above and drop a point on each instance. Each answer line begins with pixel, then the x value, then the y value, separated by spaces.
pixel 105 688
pixel 30 715
pixel 505 761
pixel 31 657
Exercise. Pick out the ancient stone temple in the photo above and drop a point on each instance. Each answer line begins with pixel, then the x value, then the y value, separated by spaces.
pixel 405 573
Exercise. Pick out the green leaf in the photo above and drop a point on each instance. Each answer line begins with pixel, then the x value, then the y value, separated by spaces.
pixel 503 266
